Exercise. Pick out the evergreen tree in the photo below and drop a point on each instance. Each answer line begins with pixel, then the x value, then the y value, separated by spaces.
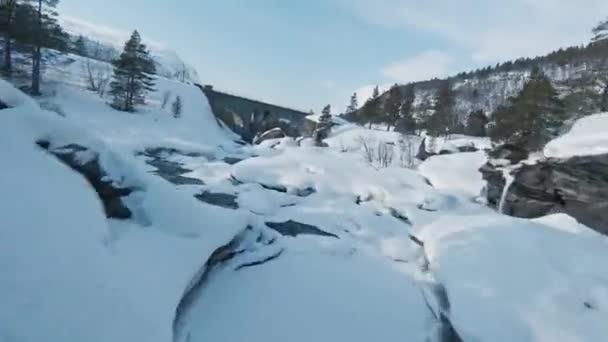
pixel 323 126
pixel 392 106
pixel 133 75
pixel 600 31
pixel 371 112
pixel 442 121
pixel 79 46
pixel 407 123
pixel 7 25
pixel 176 107
pixel 353 105
pixel 47 33
pixel 375 92
pixel 532 117
pixel 600 34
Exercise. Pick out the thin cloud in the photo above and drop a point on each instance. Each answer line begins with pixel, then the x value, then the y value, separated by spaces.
pixel 490 30
pixel 424 66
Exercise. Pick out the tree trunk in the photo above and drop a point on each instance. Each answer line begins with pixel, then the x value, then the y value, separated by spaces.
pixel 7 67
pixel 604 99
pixel 37 54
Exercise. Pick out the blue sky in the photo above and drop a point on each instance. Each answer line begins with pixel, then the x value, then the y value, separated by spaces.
pixel 306 54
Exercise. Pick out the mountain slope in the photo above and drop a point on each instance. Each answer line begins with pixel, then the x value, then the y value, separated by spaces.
pixel 106 43
pixel 579 74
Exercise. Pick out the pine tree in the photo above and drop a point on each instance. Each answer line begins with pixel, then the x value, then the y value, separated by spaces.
pixel 7 25
pixel 392 106
pixel 176 107
pixel 375 92
pixel 353 105
pixel 371 112
pixel 532 117
pixel 600 31
pixel 442 121
pixel 79 46
pixel 133 75
pixel 407 123
pixel 47 34
pixel 323 126
pixel 600 34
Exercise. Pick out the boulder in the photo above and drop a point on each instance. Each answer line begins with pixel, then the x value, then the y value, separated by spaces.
pixel 274 133
pixel 576 186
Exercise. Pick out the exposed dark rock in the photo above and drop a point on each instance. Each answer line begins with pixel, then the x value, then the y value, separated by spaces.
pixel 86 162
pixel 239 245
pixel 261 261
pixel 234 181
pixel 399 216
pixel 169 170
pixel 172 172
pixel 159 151
pixel 218 199
pixel 510 152
pixel 577 186
pixel 468 148
pixel 298 192
pixel 3 105
pixel 293 228
pixel 274 133
pixel 423 154
pixel 232 160
pixel 495 182
pixel 276 188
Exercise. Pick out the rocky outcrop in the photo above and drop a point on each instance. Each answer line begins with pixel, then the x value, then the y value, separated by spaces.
pixel 577 186
pixel 86 162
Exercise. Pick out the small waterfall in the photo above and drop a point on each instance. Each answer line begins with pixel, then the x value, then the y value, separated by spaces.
pixel 505 191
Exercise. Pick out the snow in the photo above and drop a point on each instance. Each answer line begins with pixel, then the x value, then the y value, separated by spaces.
pixel 587 137
pixel 514 280
pixel 362 298
pixel 73 274
pixel 64 259
pixel 457 172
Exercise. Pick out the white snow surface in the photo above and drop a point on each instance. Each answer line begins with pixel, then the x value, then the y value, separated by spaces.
pixel 588 136
pixel 457 172
pixel 72 274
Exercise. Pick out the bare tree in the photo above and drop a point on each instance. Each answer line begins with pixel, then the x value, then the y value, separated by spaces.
pixel 97 77
pixel 406 151
pixel 384 154
pixel 367 146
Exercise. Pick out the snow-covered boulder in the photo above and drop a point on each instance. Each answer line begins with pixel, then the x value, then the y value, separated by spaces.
pixel 274 133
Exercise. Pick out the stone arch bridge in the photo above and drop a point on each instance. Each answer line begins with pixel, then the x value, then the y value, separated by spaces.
pixel 248 117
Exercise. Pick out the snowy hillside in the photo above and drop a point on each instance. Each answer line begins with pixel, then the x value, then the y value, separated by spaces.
pixel 168 63
pixel 144 227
